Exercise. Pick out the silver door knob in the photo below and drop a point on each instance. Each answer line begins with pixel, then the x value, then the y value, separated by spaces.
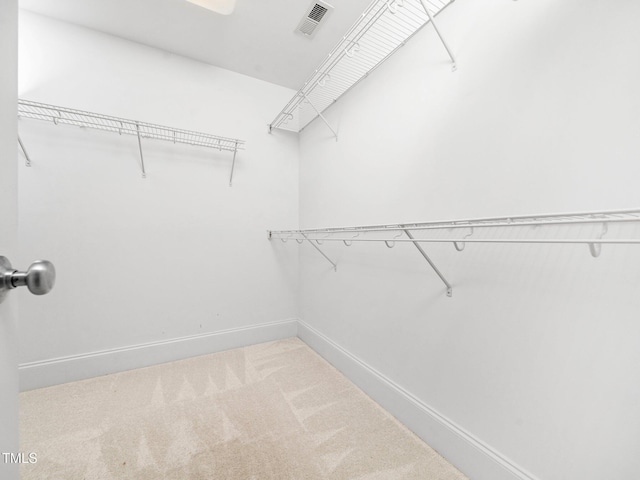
pixel 39 277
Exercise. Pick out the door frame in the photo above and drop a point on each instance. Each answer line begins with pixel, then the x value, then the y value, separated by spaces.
pixel 8 236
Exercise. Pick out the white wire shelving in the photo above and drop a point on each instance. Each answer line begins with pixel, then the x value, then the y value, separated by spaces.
pixel 122 126
pixel 590 228
pixel 384 27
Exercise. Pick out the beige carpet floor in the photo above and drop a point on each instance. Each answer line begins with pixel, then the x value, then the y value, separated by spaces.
pixel 271 411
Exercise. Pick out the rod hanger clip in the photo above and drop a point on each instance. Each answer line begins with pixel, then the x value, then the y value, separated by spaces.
pixel 392 243
pixel 321 241
pixel 460 245
pixel 324 79
pixel 285 239
pixel 596 248
pixel 348 243
pixel 353 49
pixel 393 6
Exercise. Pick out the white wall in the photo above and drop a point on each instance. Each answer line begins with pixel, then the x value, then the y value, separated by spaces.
pixel 536 354
pixel 177 254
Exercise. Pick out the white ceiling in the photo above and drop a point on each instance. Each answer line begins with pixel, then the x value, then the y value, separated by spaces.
pixel 257 39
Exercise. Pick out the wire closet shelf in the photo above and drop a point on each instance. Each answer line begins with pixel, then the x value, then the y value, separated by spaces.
pixel 594 229
pixel 79 118
pixel 384 27
pixel 122 126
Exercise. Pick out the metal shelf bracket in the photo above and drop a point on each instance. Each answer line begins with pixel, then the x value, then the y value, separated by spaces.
pixel 435 27
pixel 233 164
pixel 335 267
pixel 284 239
pixel 27 160
pixel 335 134
pixel 435 269
pixel 144 174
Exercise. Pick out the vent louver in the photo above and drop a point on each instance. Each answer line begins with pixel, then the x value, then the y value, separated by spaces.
pixel 315 13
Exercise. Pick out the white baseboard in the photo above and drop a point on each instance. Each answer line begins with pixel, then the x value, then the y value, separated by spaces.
pixel 472 456
pixel 469 454
pixel 79 367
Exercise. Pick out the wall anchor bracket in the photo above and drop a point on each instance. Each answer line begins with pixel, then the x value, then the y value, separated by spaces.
pixel 435 269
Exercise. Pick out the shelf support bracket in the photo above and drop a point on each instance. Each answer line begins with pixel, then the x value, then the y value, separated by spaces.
pixel 27 160
pixel 335 267
pixel 233 164
pixel 322 117
pixel 435 27
pixel 144 174
pixel 426 257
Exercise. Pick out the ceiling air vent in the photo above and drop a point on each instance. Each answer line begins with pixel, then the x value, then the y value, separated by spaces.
pixel 316 12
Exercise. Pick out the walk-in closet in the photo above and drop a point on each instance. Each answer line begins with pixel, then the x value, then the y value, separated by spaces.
pixel 300 240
